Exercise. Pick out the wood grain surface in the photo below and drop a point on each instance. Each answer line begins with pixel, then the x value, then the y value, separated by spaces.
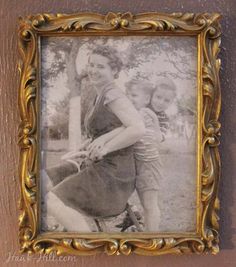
pixel 10 10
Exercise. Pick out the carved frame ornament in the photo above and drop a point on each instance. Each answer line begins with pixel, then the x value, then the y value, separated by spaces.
pixel 207 29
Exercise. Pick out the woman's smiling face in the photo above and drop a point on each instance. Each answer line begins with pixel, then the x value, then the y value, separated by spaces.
pixel 99 70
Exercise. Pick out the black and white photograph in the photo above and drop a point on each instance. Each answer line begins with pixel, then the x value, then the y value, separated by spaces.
pixel 118 134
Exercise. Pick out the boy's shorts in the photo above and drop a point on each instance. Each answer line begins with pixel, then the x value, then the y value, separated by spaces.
pixel 148 175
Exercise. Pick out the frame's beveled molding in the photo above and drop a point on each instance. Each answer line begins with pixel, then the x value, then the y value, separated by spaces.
pixel 175 22
pixel 207 29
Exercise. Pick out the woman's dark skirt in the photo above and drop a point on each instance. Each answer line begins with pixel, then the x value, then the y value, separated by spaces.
pixel 101 189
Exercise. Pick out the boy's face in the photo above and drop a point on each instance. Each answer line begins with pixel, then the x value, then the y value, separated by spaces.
pixel 162 98
pixel 138 97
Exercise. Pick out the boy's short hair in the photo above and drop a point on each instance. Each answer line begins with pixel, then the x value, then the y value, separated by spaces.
pixel 167 83
pixel 147 87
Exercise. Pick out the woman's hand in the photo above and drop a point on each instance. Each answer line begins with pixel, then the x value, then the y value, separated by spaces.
pixel 96 150
pixel 97 144
pixel 85 144
pixel 75 155
pixel 98 154
pixel 81 153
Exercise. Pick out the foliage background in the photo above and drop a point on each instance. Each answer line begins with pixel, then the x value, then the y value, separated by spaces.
pixel 64 63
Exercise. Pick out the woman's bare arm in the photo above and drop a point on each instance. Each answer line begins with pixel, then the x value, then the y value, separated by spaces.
pixel 156 124
pixel 134 127
pixel 110 135
pixel 107 136
pixel 98 144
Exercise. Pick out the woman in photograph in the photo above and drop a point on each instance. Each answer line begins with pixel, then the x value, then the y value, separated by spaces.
pixel 107 179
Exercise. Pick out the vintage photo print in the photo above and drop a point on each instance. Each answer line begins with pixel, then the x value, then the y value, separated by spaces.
pixel 118 134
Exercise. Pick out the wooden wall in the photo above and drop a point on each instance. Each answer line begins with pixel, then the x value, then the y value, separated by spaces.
pixel 9 119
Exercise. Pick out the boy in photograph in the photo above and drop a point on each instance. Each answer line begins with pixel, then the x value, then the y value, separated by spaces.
pixel 146 152
pixel 162 97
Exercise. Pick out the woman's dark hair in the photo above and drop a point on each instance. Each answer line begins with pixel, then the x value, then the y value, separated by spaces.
pixel 113 57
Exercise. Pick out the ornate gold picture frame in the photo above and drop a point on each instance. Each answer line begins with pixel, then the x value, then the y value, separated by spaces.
pixel 206 29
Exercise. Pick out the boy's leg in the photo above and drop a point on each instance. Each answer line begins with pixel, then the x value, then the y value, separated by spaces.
pixel 149 200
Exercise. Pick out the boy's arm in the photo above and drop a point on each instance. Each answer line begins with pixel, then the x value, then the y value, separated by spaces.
pixel 156 124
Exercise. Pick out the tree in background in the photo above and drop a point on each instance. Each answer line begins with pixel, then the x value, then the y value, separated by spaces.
pixel 179 52
pixel 63 52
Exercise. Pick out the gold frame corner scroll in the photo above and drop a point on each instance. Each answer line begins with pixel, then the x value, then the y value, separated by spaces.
pixel 206 28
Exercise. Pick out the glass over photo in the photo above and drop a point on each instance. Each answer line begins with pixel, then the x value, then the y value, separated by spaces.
pixel 118 134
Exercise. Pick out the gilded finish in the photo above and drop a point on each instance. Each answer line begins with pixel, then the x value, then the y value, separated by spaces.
pixel 207 29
